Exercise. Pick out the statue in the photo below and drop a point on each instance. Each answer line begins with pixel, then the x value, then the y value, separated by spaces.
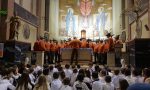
pixel 14 26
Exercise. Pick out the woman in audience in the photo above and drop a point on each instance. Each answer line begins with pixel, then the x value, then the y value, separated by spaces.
pixel 24 82
pixel 42 84
pixel 65 85
pixel 79 84
pixel 108 85
pixel 123 84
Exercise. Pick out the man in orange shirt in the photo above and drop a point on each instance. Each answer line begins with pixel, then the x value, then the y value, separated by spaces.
pixel 83 43
pixel 47 50
pixel 42 44
pixel 106 49
pixel 36 45
pixel 111 42
pixel 100 52
pixel 96 52
pixel 57 54
pixel 75 44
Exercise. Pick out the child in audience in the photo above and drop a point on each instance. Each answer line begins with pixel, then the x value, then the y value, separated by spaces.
pixel 123 84
pixel 65 85
pixel 79 84
pixel 97 84
pixel 56 83
pixel 108 85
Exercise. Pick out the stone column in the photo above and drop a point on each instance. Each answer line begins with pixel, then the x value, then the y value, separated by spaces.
pixel 54 17
pixel 116 11
pixel 7 5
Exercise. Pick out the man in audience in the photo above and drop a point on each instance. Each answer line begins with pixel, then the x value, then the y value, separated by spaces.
pixel 56 83
pixel 96 85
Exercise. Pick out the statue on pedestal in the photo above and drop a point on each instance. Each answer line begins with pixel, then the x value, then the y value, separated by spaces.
pixel 14 26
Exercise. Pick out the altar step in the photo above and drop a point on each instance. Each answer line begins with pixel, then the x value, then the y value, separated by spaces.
pixel 81 62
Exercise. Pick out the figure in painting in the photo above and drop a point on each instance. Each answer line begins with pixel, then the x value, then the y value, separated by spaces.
pixel 101 21
pixel 70 23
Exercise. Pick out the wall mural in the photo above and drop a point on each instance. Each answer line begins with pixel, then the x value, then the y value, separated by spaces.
pixel 94 16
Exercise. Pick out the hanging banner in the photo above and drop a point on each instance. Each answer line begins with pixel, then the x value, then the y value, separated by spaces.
pixel 1 49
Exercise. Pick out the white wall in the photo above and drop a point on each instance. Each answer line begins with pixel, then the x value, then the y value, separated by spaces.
pixel 26 4
pixel 145 33
pixel 17 1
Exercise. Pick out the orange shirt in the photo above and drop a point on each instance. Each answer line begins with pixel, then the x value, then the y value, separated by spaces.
pixel 42 45
pixel 47 46
pixel 111 43
pixel 100 48
pixel 57 48
pixel 91 45
pixel 95 47
pixel 83 44
pixel 75 43
pixel 106 47
pixel 36 46
pixel 62 45
pixel 52 47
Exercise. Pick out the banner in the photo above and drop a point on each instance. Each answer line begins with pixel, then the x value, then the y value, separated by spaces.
pixel 1 49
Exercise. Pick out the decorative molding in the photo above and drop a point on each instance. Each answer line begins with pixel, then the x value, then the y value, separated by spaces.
pixel 26 15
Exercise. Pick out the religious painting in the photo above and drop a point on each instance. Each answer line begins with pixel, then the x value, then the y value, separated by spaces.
pixel 94 16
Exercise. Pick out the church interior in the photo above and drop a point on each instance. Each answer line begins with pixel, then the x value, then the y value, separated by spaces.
pixel 110 34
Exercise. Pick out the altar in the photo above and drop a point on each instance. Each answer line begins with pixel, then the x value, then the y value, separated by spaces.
pixel 84 55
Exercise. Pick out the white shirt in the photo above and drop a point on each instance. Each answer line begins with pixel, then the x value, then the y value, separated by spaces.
pixel 108 86
pixel 130 80
pixel 97 85
pixel 68 73
pixel 48 78
pixel 87 80
pixel 5 84
pixel 115 81
pixel 32 78
pixel 81 85
pixel 137 79
pixel 73 78
pixel 102 79
pixel 56 84
pixel 66 87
